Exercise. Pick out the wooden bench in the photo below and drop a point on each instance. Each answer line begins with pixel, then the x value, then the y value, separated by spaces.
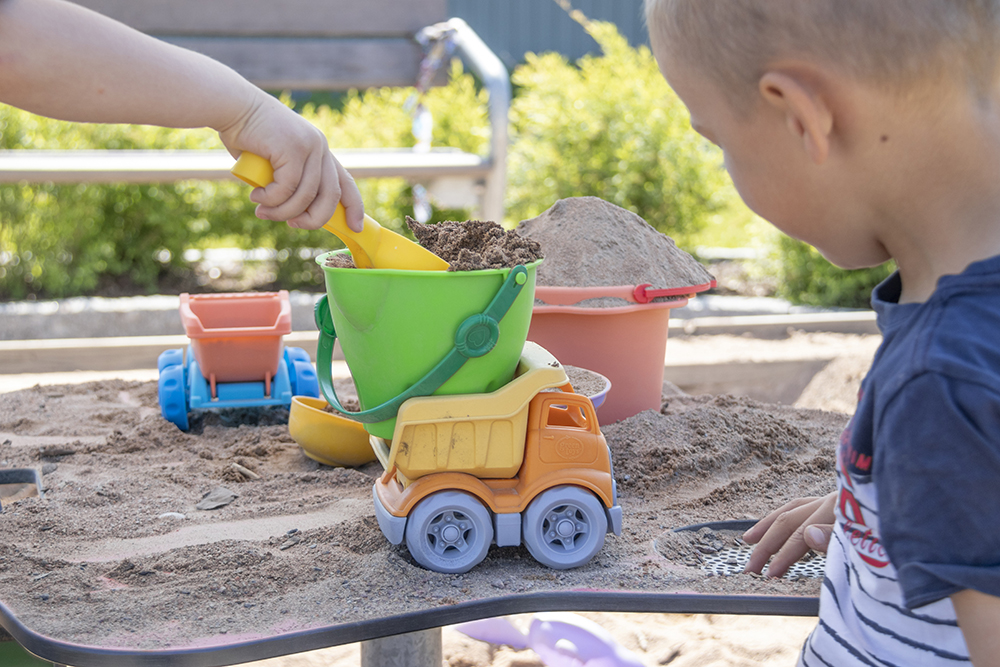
pixel 302 45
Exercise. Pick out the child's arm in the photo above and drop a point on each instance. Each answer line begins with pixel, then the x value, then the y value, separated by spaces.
pixel 783 533
pixel 61 60
pixel 979 618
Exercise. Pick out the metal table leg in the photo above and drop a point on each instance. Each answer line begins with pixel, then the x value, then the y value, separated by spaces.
pixel 413 649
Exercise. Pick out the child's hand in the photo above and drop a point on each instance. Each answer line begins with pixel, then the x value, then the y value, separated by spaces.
pixel 789 532
pixel 308 179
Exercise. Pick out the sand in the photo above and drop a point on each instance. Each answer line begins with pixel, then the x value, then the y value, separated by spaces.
pixel 151 538
pixel 472 245
pixel 117 550
pixel 475 244
pixel 589 242
pixel 585 242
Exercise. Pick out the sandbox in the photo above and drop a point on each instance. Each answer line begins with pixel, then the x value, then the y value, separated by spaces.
pixel 116 564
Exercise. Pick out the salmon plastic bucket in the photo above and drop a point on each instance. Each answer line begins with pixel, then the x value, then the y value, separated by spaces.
pixel 627 344
pixel 418 333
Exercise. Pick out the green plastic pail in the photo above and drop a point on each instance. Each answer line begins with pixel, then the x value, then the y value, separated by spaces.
pixel 417 333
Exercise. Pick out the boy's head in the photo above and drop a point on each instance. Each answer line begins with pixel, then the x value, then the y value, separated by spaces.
pixel 893 44
pixel 838 118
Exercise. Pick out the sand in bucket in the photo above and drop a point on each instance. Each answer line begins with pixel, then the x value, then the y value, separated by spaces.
pixel 395 326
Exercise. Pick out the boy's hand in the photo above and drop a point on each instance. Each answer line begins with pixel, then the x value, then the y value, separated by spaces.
pixel 308 179
pixel 789 532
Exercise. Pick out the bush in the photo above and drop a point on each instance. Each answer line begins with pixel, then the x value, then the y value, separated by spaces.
pixel 610 126
pixel 60 240
pixel 807 278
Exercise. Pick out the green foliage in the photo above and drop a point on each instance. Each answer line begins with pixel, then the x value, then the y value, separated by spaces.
pixel 610 127
pixel 68 239
pixel 808 278
pixel 61 240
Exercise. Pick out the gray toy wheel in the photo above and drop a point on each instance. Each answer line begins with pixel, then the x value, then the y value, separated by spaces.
pixel 449 531
pixel 564 527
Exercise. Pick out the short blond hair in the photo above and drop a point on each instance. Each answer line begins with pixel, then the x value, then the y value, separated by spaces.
pixel 896 44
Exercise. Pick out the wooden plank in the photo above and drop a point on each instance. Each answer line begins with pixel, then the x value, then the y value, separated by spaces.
pixel 860 322
pixel 769 381
pixel 136 166
pixel 314 63
pixel 106 166
pixel 115 353
pixel 267 17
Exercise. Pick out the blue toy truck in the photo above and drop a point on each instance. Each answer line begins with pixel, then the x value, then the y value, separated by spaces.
pixel 236 358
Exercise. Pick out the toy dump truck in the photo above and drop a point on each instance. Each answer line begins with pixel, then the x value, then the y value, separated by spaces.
pixel 236 358
pixel 526 463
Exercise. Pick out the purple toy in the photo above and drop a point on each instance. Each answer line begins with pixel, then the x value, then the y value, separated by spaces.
pixel 560 640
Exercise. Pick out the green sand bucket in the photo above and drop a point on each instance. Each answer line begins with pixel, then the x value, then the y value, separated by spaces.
pixel 417 333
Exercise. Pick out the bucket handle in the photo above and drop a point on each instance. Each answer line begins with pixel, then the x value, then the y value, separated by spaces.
pixel 476 336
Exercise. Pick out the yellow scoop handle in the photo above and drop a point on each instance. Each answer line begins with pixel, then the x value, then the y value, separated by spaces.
pixel 372 247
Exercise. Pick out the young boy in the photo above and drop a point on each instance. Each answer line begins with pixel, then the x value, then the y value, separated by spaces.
pixel 60 60
pixel 871 130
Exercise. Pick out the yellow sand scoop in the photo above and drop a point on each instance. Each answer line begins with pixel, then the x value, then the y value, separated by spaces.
pixel 373 247
pixel 326 437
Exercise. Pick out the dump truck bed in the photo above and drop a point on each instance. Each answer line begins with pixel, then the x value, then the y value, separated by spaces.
pixel 479 434
pixel 237 337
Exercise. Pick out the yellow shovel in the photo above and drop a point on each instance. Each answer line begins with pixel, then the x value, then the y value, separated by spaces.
pixel 372 247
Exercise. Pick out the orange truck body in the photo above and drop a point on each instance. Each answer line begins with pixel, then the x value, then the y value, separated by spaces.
pixel 562 443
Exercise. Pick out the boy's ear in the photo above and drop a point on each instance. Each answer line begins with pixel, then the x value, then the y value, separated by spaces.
pixel 807 113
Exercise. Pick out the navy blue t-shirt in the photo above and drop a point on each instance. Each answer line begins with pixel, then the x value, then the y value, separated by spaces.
pixel 918 481
pixel 931 423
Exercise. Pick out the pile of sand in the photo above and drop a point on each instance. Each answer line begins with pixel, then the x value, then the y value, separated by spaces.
pixel 589 242
pixel 475 244
pixel 472 245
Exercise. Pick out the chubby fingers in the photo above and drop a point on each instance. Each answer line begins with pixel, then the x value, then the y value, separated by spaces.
pixel 298 186
pixel 779 535
pixel 757 531
pixel 796 546
pixel 307 197
pixel 350 197
pixel 817 536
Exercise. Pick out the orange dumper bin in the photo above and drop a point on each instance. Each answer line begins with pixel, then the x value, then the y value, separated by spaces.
pixel 237 337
